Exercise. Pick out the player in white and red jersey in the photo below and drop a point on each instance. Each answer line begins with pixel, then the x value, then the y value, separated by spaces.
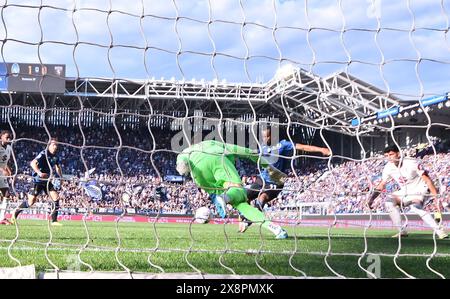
pixel 414 185
pixel 5 172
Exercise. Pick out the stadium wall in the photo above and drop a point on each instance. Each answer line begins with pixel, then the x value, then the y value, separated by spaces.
pixel 378 221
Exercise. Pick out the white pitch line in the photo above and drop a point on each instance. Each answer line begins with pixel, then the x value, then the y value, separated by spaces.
pixel 253 252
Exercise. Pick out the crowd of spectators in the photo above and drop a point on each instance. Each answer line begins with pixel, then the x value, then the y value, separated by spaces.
pixel 345 187
pixel 124 160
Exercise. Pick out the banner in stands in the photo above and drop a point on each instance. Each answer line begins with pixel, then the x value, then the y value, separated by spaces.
pixel 324 222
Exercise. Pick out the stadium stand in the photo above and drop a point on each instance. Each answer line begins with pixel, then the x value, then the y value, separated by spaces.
pixel 343 187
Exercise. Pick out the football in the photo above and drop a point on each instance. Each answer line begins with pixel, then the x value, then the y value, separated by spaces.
pixel 202 215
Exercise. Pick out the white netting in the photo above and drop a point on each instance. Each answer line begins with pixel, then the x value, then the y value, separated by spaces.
pixel 125 86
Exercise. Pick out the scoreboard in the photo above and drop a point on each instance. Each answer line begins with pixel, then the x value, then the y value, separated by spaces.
pixel 33 77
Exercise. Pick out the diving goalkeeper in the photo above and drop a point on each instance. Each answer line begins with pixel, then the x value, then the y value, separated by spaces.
pixel 211 166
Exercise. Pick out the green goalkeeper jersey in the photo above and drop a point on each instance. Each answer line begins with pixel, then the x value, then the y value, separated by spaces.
pixel 212 163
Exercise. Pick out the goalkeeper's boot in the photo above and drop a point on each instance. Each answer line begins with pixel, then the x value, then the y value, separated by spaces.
pixel 244 224
pixel 401 234
pixel 441 234
pixel 56 223
pixel 282 235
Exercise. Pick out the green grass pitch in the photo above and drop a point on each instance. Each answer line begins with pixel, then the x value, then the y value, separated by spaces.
pixel 210 245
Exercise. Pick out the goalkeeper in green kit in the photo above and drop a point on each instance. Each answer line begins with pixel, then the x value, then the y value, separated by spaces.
pixel 211 166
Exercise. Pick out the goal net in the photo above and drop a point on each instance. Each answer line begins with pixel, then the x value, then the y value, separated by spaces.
pixel 126 86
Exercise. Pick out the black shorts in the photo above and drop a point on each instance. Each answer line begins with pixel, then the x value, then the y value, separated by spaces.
pixel 271 190
pixel 41 187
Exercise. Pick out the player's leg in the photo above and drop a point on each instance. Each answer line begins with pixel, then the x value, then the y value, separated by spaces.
pixel 27 202
pixel 4 195
pixel 4 198
pixel 414 197
pixel 415 201
pixel 392 207
pixel 253 191
pixel 3 207
pixel 259 199
pixel 237 197
pixel 428 219
pixel 262 200
pixel 256 216
pixel 268 195
pixel 225 176
pixel 243 223
pixel 55 205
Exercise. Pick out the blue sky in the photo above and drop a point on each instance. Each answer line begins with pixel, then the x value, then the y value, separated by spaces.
pixel 320 36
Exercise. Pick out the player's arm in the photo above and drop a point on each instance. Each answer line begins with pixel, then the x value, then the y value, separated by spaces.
pixel 425 177
pixel 376 192
pixel 35 166
pixel 246 153
pixel 430 184
pixel 312 149
pixel 432 189
pixel 59 170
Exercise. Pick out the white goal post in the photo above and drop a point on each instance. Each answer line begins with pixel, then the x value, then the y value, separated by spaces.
pixel 125 86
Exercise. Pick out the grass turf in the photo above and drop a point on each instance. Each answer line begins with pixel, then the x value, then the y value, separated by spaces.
pixel 208 248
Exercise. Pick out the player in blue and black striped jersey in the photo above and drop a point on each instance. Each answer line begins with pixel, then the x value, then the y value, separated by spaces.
pixel 43 180
pixel 280 156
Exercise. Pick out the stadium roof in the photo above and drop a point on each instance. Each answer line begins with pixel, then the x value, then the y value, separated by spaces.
pixel 332 101
pixel 339 102
pixel 349 105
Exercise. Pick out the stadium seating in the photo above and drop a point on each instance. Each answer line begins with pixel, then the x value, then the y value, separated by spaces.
pixel 345 186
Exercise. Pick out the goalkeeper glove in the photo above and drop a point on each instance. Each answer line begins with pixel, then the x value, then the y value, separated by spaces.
pixel 220 204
